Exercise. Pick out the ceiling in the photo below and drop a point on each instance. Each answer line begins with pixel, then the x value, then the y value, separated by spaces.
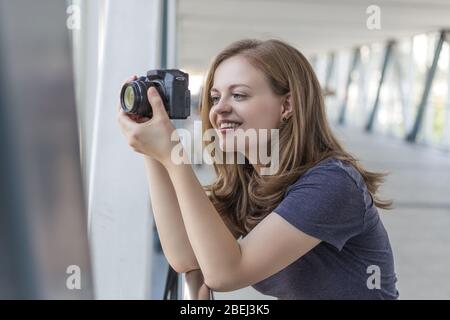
pixel 314 26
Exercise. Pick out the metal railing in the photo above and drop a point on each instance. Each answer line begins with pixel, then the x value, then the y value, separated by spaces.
pixel 186 286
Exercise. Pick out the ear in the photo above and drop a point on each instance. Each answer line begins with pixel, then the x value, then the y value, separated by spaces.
pixel 286 108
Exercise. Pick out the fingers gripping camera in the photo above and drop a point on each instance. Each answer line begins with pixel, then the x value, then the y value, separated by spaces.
pixel 172 86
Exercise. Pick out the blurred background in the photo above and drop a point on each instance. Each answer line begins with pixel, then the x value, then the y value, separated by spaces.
pixel 75 219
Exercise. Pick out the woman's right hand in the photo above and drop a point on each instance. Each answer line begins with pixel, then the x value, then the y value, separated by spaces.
pixel 135 117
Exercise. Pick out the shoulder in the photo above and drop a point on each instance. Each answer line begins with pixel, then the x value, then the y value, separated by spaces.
pixel 326 191
pixel 325 202
pixel 331 175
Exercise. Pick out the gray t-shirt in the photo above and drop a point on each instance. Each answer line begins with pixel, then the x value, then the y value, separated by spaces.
pixel 331 202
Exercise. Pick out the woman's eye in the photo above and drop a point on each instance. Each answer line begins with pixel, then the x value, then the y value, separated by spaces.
pixel 214 100
pixel 238 96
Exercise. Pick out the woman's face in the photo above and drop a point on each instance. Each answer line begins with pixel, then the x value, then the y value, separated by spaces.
pixel 242 99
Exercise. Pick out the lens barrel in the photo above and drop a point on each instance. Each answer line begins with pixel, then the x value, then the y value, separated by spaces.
pixel 133 98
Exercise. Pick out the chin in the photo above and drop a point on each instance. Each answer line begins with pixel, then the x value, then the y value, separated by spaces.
pixel 226 147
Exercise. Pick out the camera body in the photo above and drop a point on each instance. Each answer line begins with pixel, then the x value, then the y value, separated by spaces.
pixel 172 86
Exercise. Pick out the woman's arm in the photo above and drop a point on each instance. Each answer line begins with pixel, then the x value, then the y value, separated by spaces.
pixel 168 218
pixel 166 212
pixel 227 264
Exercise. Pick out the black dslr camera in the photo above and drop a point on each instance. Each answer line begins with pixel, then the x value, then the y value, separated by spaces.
pixel 172 86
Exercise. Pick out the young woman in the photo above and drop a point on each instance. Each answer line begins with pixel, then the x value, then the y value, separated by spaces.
pixel 309 231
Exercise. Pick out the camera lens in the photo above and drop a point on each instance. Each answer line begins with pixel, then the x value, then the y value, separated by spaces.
pixel 133 98
pixel 129 98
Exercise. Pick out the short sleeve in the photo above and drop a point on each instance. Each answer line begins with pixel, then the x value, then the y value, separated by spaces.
pixel 325 203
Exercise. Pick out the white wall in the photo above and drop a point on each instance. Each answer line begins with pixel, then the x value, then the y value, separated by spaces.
pixel 117 39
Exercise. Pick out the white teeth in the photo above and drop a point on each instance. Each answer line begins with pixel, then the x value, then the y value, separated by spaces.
pixel 226 125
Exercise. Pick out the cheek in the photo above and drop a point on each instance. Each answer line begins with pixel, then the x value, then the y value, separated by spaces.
pixel 261 114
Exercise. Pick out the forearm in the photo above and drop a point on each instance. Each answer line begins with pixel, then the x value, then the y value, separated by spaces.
pixel 216 249
pixel 169 222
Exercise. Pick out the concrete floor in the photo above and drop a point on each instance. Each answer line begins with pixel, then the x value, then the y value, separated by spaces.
pixel 419 224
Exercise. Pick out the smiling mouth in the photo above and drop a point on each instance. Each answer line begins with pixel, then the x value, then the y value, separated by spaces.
pixel 228 126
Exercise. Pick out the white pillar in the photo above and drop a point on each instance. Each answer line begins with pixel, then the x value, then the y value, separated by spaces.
pixel 128 42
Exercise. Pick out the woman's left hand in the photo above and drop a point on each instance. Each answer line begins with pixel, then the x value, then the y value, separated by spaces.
pixel 151 137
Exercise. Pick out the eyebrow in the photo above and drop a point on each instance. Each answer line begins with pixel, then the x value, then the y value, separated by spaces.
pixel 232 86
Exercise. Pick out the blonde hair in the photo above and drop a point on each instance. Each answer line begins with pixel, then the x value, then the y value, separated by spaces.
pixel 239 193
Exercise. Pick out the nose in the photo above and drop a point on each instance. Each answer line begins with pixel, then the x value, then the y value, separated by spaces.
pixel 222 107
